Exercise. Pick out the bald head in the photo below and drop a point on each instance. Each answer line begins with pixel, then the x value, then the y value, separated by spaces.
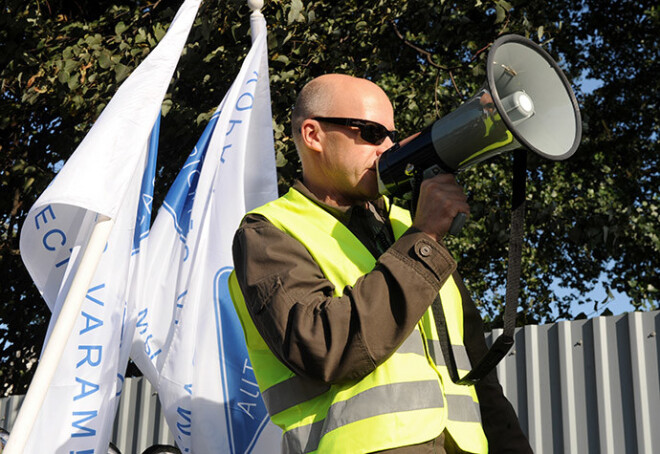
pixel 338 163
pixel 335 95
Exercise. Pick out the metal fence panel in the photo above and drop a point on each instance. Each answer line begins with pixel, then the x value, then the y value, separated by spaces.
pixel 585 386
pixel 140 421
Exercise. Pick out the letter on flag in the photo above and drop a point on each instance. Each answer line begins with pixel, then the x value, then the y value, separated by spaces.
pixel 188 340
pixel 110 174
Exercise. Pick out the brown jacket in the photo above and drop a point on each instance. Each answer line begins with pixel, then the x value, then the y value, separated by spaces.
pixel 335 339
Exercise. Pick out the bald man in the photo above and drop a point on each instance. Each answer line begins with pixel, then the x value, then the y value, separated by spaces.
pixel 333 286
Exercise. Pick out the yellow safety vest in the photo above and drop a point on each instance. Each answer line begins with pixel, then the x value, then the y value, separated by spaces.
pixel 408 399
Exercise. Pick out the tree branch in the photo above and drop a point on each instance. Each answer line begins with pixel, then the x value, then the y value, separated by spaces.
pixel 429 57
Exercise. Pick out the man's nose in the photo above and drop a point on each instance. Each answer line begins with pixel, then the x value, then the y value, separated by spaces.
pixel 383 147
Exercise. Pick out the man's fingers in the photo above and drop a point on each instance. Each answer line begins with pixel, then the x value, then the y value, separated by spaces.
pixel 443 185
pixel 441 199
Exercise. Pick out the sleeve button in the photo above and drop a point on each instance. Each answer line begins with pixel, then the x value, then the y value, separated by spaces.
pixel 425 251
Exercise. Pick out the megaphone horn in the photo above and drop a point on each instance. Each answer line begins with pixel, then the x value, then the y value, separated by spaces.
pixel 526 102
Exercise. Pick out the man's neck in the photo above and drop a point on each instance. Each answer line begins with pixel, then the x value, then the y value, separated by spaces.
pixel 332 198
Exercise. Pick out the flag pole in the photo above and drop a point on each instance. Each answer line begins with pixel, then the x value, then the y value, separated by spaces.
pixel 66 320
pixel 256 17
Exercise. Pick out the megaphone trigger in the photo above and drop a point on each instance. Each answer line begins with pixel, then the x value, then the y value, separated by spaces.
pixel 432 171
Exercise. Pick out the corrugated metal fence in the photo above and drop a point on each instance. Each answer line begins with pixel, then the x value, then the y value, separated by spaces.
pixel 586 386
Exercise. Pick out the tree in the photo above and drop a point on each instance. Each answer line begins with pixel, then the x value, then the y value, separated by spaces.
pixel 592 217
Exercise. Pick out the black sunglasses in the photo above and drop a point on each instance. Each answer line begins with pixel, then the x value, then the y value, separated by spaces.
pixel 370 131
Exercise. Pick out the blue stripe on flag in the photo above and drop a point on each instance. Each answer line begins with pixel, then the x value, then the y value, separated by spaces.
pixel 244 407
pixel 180 197
pixel 143 219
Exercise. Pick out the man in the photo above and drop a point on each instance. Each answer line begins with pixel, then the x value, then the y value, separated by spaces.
pixel 333 288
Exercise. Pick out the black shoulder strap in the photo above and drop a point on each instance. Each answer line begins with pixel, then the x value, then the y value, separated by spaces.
pixel 504 342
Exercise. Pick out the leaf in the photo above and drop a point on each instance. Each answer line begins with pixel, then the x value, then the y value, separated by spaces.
pixel 121 72
pixel 73 82
pixel 204 117
pixel 539 33
pixel 282 58
pixel 120 28
pixel 93 41
pixel 28 183
pixel 166 106
pixel 141 36
pixel 280 160
pixel 159 31
pixel 501 14
pixel 63 77
pixel 105 59
pixel 294 12
pixel 70 66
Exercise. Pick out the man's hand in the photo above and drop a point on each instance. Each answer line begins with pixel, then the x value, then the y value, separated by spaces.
pixel 440 200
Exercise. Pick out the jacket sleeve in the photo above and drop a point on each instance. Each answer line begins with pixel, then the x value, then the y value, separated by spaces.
pixel 499 419
pixel 326 337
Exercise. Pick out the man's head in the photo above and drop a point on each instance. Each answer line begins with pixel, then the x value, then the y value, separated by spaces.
pixel 339 165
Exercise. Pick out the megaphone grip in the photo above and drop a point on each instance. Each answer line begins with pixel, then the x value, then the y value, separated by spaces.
pixel 457 224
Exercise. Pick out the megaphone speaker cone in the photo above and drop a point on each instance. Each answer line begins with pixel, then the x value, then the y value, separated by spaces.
pixel 518 66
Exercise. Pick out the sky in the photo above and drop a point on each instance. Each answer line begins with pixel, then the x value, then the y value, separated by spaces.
pixel 620 303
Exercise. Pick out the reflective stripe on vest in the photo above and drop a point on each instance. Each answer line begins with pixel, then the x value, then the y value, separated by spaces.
pixel 353 416
pixel 391 398
pixel 296 389
pixel 462 408
pixel 460 355
pixel 291 392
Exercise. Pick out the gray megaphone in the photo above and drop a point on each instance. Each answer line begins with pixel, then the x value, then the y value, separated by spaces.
pixel 526 102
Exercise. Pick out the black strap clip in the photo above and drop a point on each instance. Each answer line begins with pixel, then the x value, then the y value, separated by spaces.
pixel 497 352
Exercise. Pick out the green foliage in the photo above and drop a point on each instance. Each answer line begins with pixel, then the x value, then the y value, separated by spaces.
pixel 593 217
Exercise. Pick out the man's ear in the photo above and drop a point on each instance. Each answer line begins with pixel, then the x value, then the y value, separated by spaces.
pixel 311 134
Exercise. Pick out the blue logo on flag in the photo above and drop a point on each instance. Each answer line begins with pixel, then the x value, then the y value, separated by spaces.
pixel 244 408
pixel 180 197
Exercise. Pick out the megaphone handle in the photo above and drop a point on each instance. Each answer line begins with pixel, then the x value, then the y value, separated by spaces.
pixel 457 224
pixel 459 221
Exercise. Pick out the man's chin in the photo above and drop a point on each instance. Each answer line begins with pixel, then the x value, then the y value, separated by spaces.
pixel 370 184
pixel 372 195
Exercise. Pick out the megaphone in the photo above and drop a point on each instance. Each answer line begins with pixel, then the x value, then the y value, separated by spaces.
pixel 526 102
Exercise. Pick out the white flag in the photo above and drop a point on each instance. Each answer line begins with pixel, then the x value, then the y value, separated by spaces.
pixel 188 340
pixel 106 175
